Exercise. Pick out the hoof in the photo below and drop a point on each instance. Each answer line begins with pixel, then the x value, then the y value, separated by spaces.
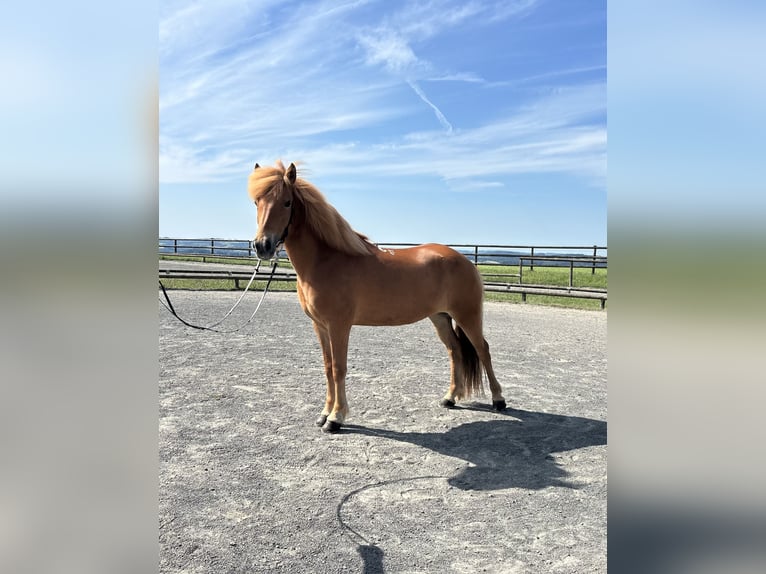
pixel 499 406
pixel 331 426
pixel 447 404
pixel 321 420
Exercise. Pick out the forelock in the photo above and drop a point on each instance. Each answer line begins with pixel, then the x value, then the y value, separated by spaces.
pixel 265 179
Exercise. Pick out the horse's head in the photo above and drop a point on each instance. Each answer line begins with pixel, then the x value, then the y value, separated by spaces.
pixel 272 191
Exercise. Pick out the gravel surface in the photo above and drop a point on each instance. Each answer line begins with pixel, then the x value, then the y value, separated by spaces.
pixel 248 483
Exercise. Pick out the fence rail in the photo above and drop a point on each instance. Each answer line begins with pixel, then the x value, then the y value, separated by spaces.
pixel 479 254
pixel 527 257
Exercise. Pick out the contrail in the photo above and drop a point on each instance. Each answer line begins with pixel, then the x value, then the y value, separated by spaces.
pixel 439 115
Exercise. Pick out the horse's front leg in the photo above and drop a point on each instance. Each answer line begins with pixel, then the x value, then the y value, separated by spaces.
pixel 324 342
pixel 339 347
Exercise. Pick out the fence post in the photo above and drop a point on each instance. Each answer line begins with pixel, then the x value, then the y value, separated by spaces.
pixel 175 245
pixel 212 247
pixel 593 267
pixel 532 261
pixel 476 255
pixel 571 271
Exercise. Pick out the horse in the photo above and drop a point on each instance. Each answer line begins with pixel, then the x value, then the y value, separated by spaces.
pixel 343 279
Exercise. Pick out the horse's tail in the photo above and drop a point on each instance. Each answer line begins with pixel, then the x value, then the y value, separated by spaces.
pixel 471 367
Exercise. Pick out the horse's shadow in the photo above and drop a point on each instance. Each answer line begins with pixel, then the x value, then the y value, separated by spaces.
pixel 506 452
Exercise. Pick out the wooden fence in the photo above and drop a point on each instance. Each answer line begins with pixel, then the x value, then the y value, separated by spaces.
pixel 521 257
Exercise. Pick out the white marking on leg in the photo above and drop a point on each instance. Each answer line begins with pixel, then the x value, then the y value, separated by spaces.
pixel 336 417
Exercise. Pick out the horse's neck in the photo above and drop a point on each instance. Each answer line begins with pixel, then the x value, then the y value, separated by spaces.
pixel 303 249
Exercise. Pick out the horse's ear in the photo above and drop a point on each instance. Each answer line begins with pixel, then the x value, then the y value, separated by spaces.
pixel 290 173
pixel 256 166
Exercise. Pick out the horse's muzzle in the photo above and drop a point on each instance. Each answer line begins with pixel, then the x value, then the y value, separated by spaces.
pixel 265 247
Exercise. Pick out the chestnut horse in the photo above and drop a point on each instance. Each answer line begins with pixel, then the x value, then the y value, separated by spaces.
pixel 345 280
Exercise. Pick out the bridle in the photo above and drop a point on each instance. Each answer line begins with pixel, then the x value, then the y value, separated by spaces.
pixel 287 227
pixel 283 237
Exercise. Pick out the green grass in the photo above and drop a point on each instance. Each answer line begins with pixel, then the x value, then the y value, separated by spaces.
pixel 545 276
pixel 540 276
pixel 225 284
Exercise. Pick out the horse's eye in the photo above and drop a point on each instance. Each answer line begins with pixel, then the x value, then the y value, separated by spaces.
pixel 288 203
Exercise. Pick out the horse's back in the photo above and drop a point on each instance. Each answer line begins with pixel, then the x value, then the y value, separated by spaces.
pixel 445 261
pixel 426 254
pixel 405 285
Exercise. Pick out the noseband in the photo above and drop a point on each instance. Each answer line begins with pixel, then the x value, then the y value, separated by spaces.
pixel 287 228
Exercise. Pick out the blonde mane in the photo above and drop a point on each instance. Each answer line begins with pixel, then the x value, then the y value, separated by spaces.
pixel 322 219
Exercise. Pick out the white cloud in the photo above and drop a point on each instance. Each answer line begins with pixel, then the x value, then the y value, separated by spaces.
pixel 439 115
pixel 238 87
pixel 390 44
pixel 459 77
pixel 547 137
pixel 390 50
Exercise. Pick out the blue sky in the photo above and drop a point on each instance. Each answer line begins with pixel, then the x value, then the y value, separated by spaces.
pixel 448 121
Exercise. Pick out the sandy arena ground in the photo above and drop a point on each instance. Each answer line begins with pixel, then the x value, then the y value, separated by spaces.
pixel 248 483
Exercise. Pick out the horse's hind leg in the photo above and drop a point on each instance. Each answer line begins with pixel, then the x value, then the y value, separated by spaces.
pixel 443 324
pixel 324 341
pixel 472 327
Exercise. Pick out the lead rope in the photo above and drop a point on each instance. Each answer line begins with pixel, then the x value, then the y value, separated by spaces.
pixel 171 309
